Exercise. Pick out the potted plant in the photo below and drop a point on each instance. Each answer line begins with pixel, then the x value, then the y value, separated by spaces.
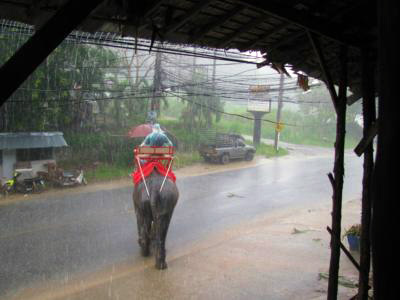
pixel 353 237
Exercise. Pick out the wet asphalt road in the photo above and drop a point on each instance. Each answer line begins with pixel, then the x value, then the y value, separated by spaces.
pixel 57 237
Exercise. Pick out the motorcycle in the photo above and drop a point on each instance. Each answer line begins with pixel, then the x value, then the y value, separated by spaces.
pixel 57 177
pixel 26 185
pixel 71 178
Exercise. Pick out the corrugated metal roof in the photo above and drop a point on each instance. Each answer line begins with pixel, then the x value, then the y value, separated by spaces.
pixel 29 140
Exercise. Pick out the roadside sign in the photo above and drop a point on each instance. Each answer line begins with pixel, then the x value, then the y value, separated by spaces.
pixel 258 99
pixel 279 127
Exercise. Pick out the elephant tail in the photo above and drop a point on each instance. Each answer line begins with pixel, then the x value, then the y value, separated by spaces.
pixel 163 202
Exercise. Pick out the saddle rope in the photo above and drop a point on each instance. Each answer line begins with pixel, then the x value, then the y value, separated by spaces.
pixel 169 167
pixel 144 180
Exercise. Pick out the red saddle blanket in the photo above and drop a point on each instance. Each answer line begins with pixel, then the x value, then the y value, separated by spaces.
pixel 148 168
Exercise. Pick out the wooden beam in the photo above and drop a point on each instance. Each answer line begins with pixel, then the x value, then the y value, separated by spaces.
pixel 17 69
pixel 367 139
pixel 218 22
pixel 306 21
pixel 246 27
pixel 196 9
pixel 353 99
pixel 348 254
pixel 325 72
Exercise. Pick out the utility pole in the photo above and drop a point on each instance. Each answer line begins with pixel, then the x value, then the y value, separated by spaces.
pixel 214 98
pixel 193 89
pixel 157 88
pixel 278 113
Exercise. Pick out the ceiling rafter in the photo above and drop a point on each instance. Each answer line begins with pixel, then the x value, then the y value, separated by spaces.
pixel 220 21
pixel 287 39
pixel 264 36
pixel 196 9
pixel 153 8
pixel 246 27
pixel 302 19
pixel 300 33
pixel 147 13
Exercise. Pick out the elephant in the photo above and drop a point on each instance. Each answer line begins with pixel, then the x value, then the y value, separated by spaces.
pixel 153 214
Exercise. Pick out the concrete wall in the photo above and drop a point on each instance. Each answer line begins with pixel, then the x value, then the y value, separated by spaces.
pixel 9 160
pixel 1 167
pixel 39 165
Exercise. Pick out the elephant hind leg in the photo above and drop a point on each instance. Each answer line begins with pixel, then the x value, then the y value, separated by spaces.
pixel 144 232
pixel 161 224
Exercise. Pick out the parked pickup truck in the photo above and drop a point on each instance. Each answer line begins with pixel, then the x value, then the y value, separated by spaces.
pixel 226 147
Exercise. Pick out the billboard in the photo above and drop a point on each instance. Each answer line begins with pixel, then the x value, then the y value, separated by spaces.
pixel 258 99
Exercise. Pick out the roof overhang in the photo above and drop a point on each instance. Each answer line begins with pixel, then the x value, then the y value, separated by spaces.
pixel 279 29
pixel 31 140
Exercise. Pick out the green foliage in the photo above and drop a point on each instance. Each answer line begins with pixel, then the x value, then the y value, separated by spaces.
pixel 183 159
pixel 187 141
pixel 317 129
pixel 88 148
pixel 56 96
pixel 201 103
pixel 353 230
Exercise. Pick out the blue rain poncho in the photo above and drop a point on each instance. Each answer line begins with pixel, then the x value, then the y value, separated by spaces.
pixel 157 138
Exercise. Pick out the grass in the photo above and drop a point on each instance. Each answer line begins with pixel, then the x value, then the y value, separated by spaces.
pixel 105 172
pixel 269 151
pixel 183 159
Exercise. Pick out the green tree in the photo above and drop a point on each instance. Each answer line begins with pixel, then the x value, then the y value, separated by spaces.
pixel 55 96
pixel 202 104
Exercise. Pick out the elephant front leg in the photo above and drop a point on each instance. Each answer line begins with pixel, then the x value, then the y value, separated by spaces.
pixel 161 228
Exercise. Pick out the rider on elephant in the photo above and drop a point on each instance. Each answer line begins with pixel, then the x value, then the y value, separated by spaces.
pixel 157 138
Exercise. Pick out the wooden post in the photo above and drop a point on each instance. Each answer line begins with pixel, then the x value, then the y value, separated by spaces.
pixel 385 178
pixel 337 177
pixel 368 95
pixel 17 69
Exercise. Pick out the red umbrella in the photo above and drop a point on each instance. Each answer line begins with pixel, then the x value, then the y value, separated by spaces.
pixel 140 131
